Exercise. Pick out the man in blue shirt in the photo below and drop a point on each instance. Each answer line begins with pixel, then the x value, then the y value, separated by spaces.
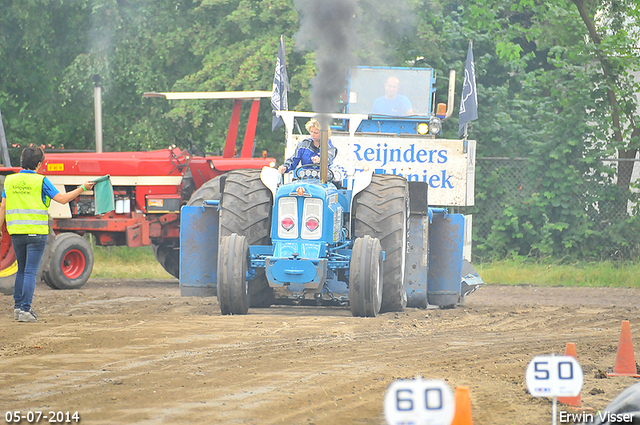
pixel 392 103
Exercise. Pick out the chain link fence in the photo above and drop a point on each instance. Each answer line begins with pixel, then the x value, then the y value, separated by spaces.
pixel 595 221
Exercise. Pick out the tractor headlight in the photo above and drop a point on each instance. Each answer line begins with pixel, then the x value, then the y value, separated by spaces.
pixel 423 128
pixel 312 219
pixel 288 217
pixel 436 126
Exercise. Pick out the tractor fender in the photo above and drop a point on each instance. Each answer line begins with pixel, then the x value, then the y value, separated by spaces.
pixel 360 182
pixel 271 177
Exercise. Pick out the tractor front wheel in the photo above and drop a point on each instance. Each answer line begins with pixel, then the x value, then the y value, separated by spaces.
pixel 365 277
pixel 233 288
pixel 382 210
pixel 246 210
pixel 71 262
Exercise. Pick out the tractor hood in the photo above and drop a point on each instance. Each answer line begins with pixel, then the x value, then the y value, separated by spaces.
pixel 307 217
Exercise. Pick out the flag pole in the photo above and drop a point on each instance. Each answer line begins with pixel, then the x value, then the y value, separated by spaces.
pixel 466 125
pixel 280 86
pixel 465 144
pixel 469 100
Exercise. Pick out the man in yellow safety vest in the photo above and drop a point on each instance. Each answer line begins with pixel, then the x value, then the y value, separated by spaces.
pixel 25 203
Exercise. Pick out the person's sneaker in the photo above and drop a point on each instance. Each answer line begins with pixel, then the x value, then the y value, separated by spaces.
pixel 16 313
pixel 27 316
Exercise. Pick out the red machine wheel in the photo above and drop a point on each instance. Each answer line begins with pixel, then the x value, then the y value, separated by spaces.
pixel 71 262
pixel 8 263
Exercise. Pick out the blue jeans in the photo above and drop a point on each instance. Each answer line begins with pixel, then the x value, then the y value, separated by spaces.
pixel 29 250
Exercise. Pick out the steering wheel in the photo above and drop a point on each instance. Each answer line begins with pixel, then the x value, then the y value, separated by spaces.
pixel 310 171
pixel 196 148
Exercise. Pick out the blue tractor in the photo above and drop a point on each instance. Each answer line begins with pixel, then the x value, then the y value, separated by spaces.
pixel 367 239
pixel 376 247
pixel 313 242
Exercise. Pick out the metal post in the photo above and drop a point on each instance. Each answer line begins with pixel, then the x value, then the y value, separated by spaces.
pixel 249 137
pixel 232 134
pixel 452 92
pixel 97 105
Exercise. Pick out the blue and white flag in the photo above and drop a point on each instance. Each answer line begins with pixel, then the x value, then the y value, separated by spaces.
pixel 280 87
pixel 469 101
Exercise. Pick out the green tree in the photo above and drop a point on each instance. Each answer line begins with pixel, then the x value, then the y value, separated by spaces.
pixel 534 94
pixel 134 47
pixel 613 28
pixel 38 39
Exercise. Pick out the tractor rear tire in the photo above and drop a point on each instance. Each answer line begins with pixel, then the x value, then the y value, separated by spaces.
pixel 71 262
pixel 209 191
pixel 381 211
pixel 246 210
pixel 233 262
pixel 365 277
pixel 167 253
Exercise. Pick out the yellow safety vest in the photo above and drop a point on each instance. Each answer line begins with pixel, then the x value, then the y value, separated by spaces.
pixel 26 214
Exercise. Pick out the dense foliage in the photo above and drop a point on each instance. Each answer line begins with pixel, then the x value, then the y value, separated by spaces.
pixel 555 85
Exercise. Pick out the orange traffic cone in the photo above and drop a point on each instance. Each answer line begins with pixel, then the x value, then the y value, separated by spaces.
pixel 463 406
pixel 571 401
pixel 625 360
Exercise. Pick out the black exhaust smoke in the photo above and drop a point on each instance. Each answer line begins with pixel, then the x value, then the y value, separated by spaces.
pixel 327 27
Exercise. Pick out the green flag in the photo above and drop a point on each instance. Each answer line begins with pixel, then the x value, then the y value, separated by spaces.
pixel 103 192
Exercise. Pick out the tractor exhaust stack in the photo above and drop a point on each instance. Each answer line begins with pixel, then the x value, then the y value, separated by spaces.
pixel 324 153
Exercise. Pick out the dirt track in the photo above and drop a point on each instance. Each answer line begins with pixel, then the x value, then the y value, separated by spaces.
pixel 137 352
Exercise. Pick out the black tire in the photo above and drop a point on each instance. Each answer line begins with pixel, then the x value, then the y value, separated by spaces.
pixel 365 277
pixel 210 190
pixel 245 209
pixel 45 265
pixel 381 211
pixel 46 256
pixel 233 288
pixel 71 262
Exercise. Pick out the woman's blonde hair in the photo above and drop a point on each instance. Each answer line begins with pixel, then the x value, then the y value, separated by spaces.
pixel 316 124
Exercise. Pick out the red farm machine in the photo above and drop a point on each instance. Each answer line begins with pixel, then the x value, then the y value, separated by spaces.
pixel 149 190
